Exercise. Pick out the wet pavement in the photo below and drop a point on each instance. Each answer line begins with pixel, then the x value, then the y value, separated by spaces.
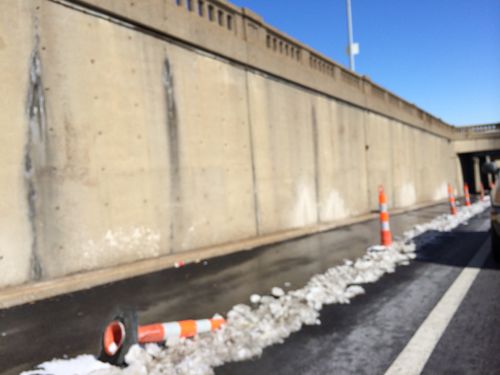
pixel 71 324
pixel 366 336
pixel 471 344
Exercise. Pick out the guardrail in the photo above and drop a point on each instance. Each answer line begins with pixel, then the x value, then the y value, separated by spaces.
pixel 283 46
pixel 486 128
pixel 212 11
pixel 478 131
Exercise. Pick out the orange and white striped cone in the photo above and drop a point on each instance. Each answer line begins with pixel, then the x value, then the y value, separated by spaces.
pixel 123 332
pixel 172 330
pixel 467 195
pixel 385 229
pixel 482 191
pixel 451 198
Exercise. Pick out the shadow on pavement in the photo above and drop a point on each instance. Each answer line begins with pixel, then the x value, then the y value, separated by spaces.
pixel 454 248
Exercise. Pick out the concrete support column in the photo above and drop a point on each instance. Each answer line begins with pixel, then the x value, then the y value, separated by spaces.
pixel 490 179
pixel 477 174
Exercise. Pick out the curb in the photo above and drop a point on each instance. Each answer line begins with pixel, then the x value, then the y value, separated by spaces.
pixel 32 292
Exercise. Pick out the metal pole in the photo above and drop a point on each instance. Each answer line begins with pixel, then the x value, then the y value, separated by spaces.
pixel 349 26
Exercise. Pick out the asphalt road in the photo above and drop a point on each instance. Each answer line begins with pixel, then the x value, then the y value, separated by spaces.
pixel 364 337
pixel 368 335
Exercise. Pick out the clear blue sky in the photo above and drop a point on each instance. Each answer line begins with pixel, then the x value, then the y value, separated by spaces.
pixel 442 55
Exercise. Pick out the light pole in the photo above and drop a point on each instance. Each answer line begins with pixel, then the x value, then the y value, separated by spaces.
pixel 352 48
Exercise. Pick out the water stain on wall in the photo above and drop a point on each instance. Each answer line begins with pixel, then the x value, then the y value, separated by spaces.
pixel 173 147
pixel 34 152
pixel 316 159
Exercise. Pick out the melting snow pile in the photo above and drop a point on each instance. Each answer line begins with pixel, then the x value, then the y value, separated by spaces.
pixel 81 365
pixel 269 319
pixel 445 223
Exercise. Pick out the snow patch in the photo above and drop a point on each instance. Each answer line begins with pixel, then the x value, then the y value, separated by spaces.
pixel 81 365
pixel 255 298
pixel 277 292
pixel 271 319
pixel 447 222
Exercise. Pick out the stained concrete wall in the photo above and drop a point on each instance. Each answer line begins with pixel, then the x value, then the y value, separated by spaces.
pixel 120 145
pixel 282 138
pixel 342 180
pixel 16 46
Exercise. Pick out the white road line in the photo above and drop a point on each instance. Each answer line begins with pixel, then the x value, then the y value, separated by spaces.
pixel 415 355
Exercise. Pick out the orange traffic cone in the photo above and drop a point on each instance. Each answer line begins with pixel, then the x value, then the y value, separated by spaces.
pixel 467 195
pixel 115 333
pixel 123 332
pixel 184 328
pixel 385 230
pixel 451 198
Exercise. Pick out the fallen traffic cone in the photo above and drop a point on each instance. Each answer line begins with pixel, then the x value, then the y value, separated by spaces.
pixel 451 198
pixel 385 230
pixel 184 328
pixel 123 332
pixel 467 195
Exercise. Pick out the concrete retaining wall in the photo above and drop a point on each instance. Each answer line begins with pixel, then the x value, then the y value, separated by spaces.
pixel 122 144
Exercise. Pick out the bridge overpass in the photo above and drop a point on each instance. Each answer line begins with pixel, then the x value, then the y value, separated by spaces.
pixel 476 145
pixel 140 133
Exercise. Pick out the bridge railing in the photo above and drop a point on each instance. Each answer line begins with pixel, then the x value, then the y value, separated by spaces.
pixel 478 131
pixel 298 62
pixel 214 11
